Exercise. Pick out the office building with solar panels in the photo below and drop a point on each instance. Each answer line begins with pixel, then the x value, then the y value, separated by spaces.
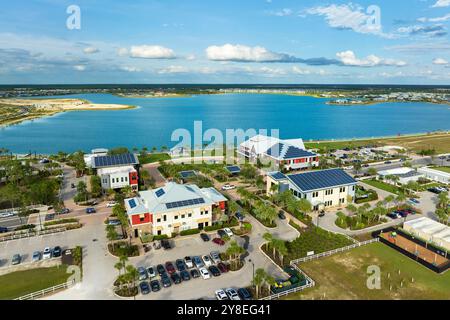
pixel 116 171
pixel 173 208
pixel 284 154
pixel 323 188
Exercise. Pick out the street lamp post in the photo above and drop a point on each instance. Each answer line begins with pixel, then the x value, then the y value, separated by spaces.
pixel 253 265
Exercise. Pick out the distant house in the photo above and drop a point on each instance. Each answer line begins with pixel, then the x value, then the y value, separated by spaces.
pixel 404 174
pixel 117 171
pixel 430 231
pixel 286 154
pixel 323 188
pixel 173 208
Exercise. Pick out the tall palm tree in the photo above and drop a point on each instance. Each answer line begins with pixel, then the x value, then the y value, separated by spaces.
pixel 258 280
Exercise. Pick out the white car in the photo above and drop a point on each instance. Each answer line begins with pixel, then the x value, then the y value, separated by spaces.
pixel 215 256
pixel 188 262
pixel 221 295
pixel 47 253
pixel 207 260
pixel 205 273
pixel 228 232
pixel 228 187
pixel 232 294
pixel 151 272
pixel 7 214
pixel 111 204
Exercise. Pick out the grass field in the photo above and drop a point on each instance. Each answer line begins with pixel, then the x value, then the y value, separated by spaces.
pixel 440 142
pixel 383 186
pixel 153 157
pixel 344 276
pixel 16 284
pixel 443 169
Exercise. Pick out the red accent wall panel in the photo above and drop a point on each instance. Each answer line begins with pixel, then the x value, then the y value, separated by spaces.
pixel 136 219
pixel 133 177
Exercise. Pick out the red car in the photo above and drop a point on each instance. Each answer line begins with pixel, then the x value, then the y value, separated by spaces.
pixel 222 267
pixel 218 241
pixel 170 267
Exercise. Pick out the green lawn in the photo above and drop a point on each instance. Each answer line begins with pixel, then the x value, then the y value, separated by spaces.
pixel 383 186
pixel 16 284
pixel 443 169
pixel 153 157
pixel 344 276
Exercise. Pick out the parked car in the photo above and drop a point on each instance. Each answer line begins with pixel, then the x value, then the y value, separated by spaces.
pixel 188 262
pixel 228 187
pixel 394 215
pixel 207 260
pixel 90 210
pixel 160 269
pixel 232 294
pixel 166 244
pixel 142 273
pixel 154 284
pixel 165 280
pixel 434 190
pixel 194 273
pixel 322 214
pixel 3 229
pixel 218 241
pixel 145 288
pixel 175 278
pixel 57 252
pixel 215 256
pixel 221 295
pixel 170 267
pixel 228 232
pixel 151 272
pixel 214 271
pixel 180 265
pixel 222 234
pixel 239 216
pixel 16 259
pixel 73 186
pixel 244 294
pixel 114 222
pixel 204 273
pixel 204 237
pixel 111 204
pixel 415 201
pixel 47 253
pixel 198 262
pixel 222 267
pixel 64 211
pixel 36 256
pixel 185 275
pixel 281 215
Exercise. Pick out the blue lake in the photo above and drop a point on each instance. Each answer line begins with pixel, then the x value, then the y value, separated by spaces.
pixel 153 122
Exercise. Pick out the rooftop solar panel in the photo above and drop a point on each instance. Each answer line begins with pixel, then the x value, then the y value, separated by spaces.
pixel 321 179
pixel 187 174
pixel 160 192
pixel 278 176
pixel 184 203
pixel 114 160
pixel 233 169
pixel 132 203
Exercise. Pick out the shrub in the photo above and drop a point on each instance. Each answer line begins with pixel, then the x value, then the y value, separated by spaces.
pixel 160 237
pixel 189 232
pixel 25 227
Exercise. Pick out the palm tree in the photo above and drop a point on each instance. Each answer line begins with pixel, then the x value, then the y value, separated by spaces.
pixel 352 208
pixel 234 251
pixel 304 205
pixel 268 237
pixel 401 198
pixel 281 248
pixel 258 280
pixel 132 276
pixel 389 199
pixel 443 200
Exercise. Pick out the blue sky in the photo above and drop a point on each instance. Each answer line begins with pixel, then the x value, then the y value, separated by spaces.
pixel 251 41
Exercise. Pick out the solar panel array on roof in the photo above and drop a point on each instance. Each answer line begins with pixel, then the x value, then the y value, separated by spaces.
pixel 160 192
pixel 278 176
pixel 321 179
pixel 294 152
pixel 184 203
pixel 132 203
pixel 275 150
pixel 115 160
pixel 233 169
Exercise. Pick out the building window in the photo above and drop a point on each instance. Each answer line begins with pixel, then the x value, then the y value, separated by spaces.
pixel 342 200
pixel 342 190
pixel 126 179
pixel 353 188
pixel 158 220
pixel 206 212
pixel 315 194
pixel 165 218
pixel 176 217
pixel 141 218
pixel 183 216
pixel 329 192
pixel 159 232
pixel 316 208
pixel 189 215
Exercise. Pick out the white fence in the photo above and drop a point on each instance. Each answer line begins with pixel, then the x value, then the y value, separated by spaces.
pixel 44 292
pixel 22 235
pixel 331 252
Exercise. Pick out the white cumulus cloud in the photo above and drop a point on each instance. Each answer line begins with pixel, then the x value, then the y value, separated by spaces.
pixel 441 4
pixel 79 67
pixel 242 53
pixel 90 50
pixel 440 62
pixel 349 58
pixel 151 52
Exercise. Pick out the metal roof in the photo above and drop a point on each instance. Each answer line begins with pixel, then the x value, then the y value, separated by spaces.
pixel 285 151
pixel 277 176
pixel 115 160
pixel 323 179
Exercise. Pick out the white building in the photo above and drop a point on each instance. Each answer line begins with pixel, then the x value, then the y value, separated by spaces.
pixel 286 154
pixel 430 231
pixel 323 189
pixel 173 208
pixel 404 174
pixel 118 177
pixel 435 175
pixel 88 158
